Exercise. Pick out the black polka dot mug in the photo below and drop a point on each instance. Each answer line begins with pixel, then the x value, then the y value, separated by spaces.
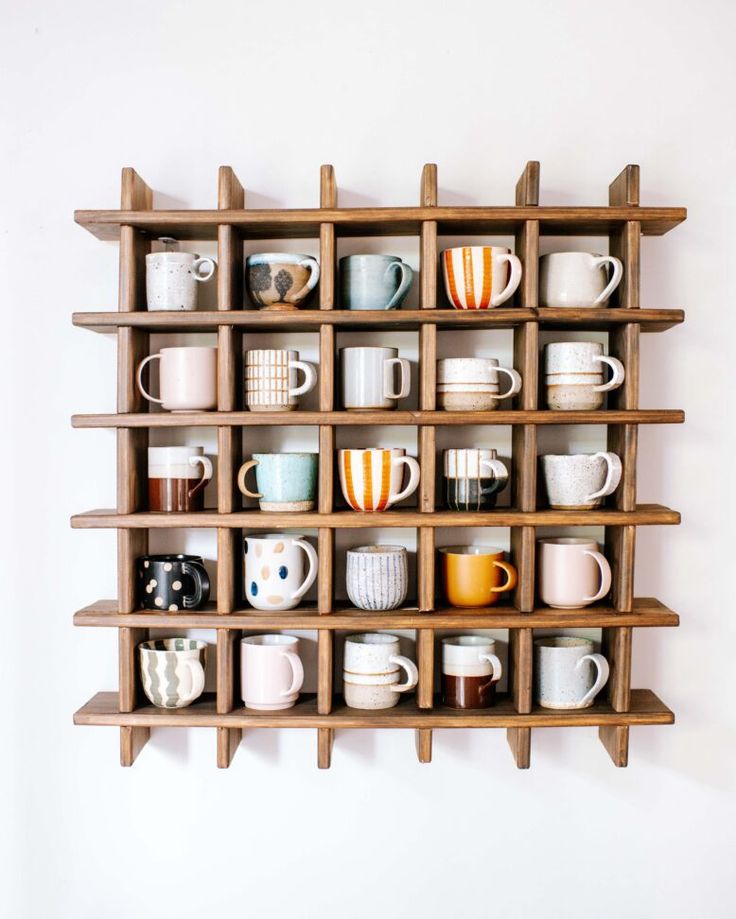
pixel 170 583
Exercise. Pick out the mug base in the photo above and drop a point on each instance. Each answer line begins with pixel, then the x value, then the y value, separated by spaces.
pixel 183 411
pixel 279 308
pixel 369 408
pixel 575 507
pixel 271 408
pixel 269 707
pixel 564 706
pixel 286 506
pixel 567 606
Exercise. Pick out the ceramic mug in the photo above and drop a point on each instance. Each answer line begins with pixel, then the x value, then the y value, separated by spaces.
pixel 371 672
pixel 172 277
pixel 470 671
pixel 274 570
pixel 172 582
pixel 580 481
pixel 374 282
pixel 187 379
pixel 473 478
pixel 172 670
pixel 470 384
pixel 475 576
pixel 177 477
pixel 271 671
pixel 573 573
pixel 578 279
pixel 285 481
pixel 478 277
pixel 271 379
pixel 573 375
pixel 377 576
pixel 371 479
pixel 367 376
pixel 567 672
pixel 280 280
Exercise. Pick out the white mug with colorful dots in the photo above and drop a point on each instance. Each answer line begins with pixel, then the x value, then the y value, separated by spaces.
pixel 274 570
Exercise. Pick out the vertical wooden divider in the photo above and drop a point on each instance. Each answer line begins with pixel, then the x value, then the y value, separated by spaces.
pixel 326 535
pixel 524 464
pixel 230 195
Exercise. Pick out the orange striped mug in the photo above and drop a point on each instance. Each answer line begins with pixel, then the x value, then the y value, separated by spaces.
pixel 371 479
pixel 480 277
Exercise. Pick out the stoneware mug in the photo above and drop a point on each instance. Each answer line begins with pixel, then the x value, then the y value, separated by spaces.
pixel 271 671
pixel 470 384
pixel 367 377
pixel 374 282
pixel 371 479
pixel 377 576
pixel 573 573
pixel 578 279
pixel 172 670
pixel 371 674
pixel 280 280
pixel 172 582
pixel 580 481
pixel 274 570
pixel 470 671
pixel 480 277
pixel 285 481
pixel 187 379
pixel 473 478
pixel 573 375
pixel 172 278
pixel 567 672
pixel 475 576
pixel 177 477
pixel 271 379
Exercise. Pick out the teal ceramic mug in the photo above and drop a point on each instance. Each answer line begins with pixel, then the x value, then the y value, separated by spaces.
pixel 374 282
pixel 284 481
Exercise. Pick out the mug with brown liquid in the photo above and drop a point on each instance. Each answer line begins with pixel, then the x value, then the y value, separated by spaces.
pixel 177 477
pixel 470 671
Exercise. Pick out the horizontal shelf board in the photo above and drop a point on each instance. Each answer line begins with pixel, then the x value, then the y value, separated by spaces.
pixel 646 612
pixel 644 515
pixel 379 221
pixel 102 709
pixel 359 419
pixel 362 320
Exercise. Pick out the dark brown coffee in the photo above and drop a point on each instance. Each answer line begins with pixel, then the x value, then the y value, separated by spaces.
pixel 170 495
pixel 468 691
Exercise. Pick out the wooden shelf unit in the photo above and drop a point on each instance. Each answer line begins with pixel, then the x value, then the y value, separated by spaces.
pixel 136 224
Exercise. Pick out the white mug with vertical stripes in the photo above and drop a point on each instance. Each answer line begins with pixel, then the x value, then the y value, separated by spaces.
pixel 271 379
pixel 371 479
pixel 480 277
pixel 377 576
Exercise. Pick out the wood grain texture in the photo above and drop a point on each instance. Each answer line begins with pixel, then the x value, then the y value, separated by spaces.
pixel 325 648
pixel 327 247
pixel 425 665
pixel 520 742
pixel 423 744
pixel 523 556
pixel 325 741
pixel 428 241
pixel 521 664
pixel 132 741
pixel 616 741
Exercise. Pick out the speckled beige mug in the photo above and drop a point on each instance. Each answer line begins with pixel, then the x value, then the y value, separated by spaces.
pixel 470 384
pixel 573 375
pixel 580 481
pixel 372 666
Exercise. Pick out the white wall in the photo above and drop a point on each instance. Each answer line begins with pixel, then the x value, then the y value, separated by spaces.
pixel 175 90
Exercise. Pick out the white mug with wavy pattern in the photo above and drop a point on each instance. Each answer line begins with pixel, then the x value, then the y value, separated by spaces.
pixel 172 670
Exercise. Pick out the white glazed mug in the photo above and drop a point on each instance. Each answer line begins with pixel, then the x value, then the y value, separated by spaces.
pixel 377 576
pixel 172 670
pixel 368 378
pixel 567 672
pixel 371 674
pixel 371 479
pixel 187 379
pixel 573 375
pixel 580 481
pixel 172 278
pixel 577 279
pixel 271 671
pixel 573 573
pixel 480 277
pixel 271 379
pixel 274 570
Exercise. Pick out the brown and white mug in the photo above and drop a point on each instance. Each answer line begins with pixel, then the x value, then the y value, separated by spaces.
pixel 177 477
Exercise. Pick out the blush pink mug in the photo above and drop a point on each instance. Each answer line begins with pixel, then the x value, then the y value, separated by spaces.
pixel 187 379
pixel 271 671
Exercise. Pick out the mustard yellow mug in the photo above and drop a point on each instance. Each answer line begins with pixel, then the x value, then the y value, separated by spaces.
pixel 474 575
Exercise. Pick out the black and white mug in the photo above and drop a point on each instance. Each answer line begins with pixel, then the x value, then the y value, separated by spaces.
pixel 172 582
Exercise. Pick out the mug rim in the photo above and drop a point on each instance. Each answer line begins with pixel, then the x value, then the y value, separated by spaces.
pixel 197 644
pixel 556 456
pixel 286 453
pixel 170 557
pixel 472 550
pixel 502 249
pixel 376 550
pixel 272 536
pixel 571 541
pixel 371 638
pixel 564 642
pixel 270 640
pixel 188 348
pixel 288 258
pixel 574 252
pixel 468 641
pixel 401 450
pixel 381 255
pixel 192 255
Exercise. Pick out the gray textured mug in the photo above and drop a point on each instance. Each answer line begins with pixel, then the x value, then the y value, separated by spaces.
pixel 374 282
pixel 567 674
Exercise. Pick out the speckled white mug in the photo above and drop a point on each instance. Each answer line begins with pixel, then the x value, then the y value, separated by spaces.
pixel 573 375
pixel 172 278
pixel 371 671
pixel 580 481
pixel 471 384
pixel 567 672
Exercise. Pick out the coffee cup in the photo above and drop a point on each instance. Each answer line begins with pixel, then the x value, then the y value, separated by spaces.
pixel 274 570
pixel 285 481
pixel 480 277
pixel 172 670
pixel 271 379
pixel 470 671
pixel 371 479
pixel 172 582
pixel 567 672
pixel 187 379
pixel 573 375
pixel 470 384
pixel 573 573
pixel 367 376
pixel 172 278
pixel 473 478
pixel 475 576
pixel 177 477
pixel 580 481
pixel 373 282
pixel 377 577
pixel 280 280
pixel 271 672
pixel 372 667
pixel 578 280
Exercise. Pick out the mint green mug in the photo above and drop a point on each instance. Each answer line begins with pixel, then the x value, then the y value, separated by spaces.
pixel 284 481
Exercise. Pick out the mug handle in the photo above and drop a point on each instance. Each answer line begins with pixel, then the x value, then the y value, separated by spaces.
pixel 297 673
pixel 617 377
pixel 499 471
pixel 200 268
pixel 601 665
pixel 310 377
pixel 201 580
pixel 511 576
pixel 206 473
pixel 311 573
pixel 412 674
pixel 605 568
pixel 618 273
pixel 515 382
pixel 311 280
pixel 613 475
pixel 407 276
pixel 241 479
pixel 514 279
pixel 139 378
pixel 196 675
pixel 413 478
pixel 388 375
pixel 496 670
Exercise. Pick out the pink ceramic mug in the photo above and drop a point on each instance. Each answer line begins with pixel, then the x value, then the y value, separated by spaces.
pixel 271 671
pixel 187 379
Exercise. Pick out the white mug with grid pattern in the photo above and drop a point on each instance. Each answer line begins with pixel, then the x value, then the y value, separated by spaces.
pixel 271 379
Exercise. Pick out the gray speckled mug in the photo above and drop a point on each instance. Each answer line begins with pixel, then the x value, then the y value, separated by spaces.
pixel 371 675
pixel 567 672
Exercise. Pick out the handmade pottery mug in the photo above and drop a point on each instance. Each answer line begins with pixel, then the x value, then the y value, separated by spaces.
pixel 573 375
pixel 580 481
pixel 473 478
pixel 577 279
pixel 371 479
pixel 371 672
pixel 470 671
pixel 271 379
pixel 274 570
pixel 478 277
pixel 374 282
pixel 470 384
pixel 177 477
pixel 187 379
pixel 573 573
pixel 285 481
pixel 172 277
pixel 567 672
pixel 271 671
pixel 172 582
pixel 172 670
pixel 367 376
pixel 280 280
pixel 475 576
pixel 377 576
